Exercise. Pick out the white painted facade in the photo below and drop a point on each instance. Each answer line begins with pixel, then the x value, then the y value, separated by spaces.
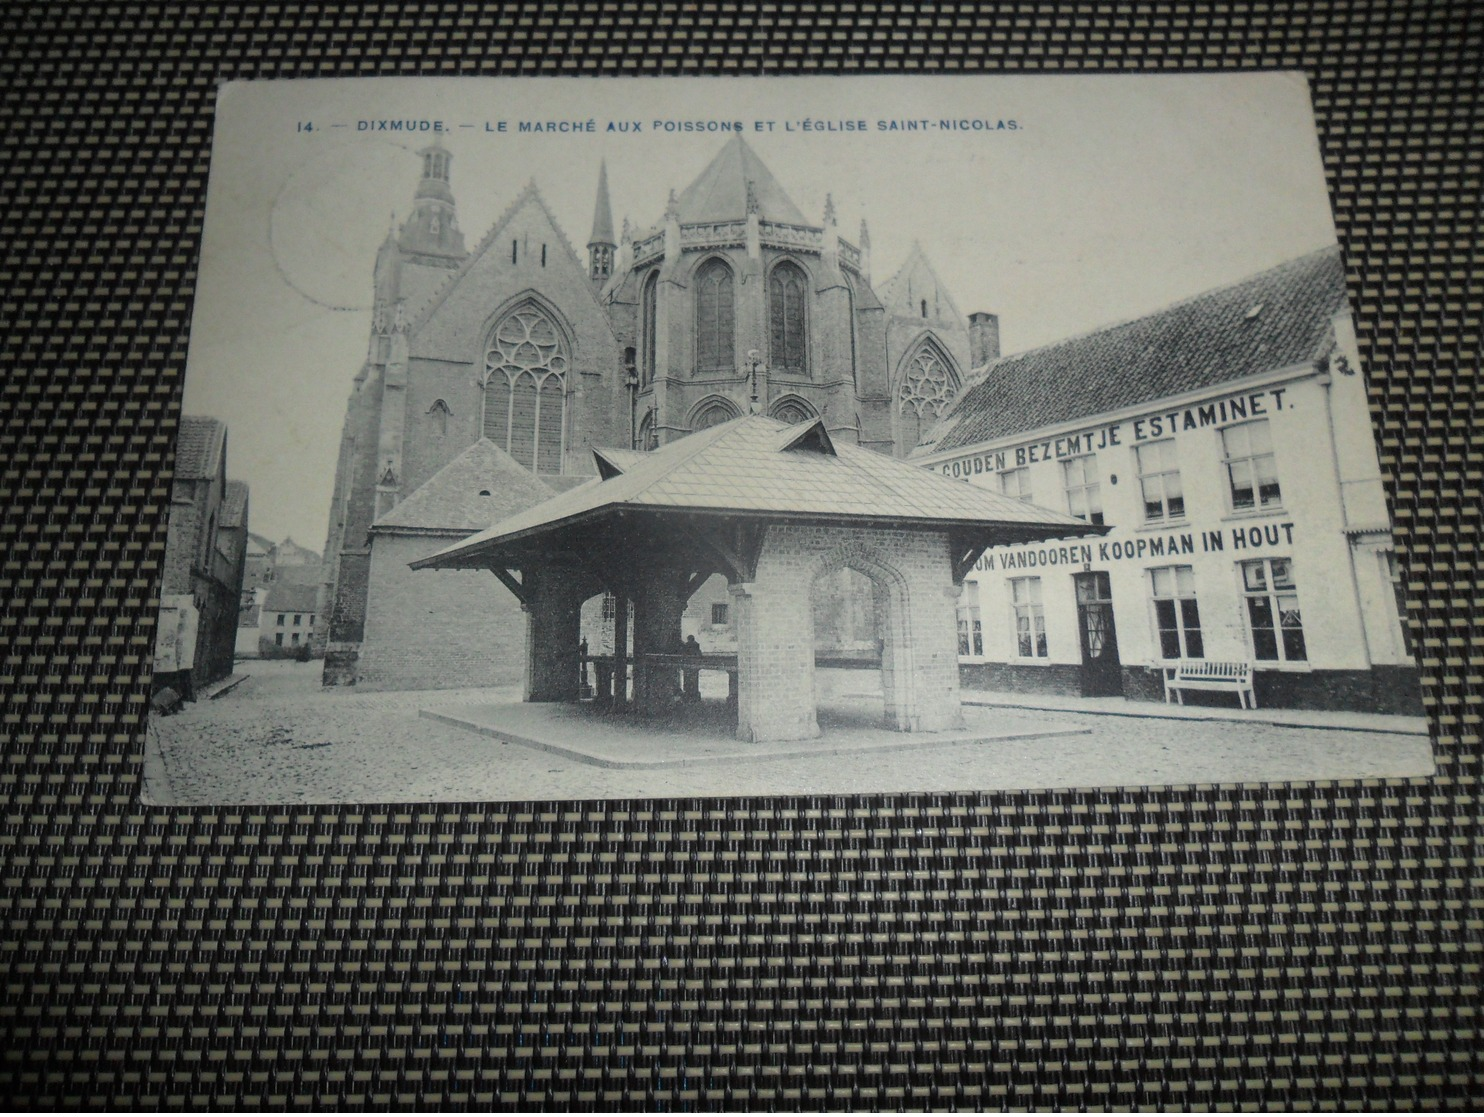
pixel 1259 499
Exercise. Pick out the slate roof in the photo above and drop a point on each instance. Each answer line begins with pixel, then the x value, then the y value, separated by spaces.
pixel 719 193
pixel 287 597
pixel 199 447
pixel 450 500
pixel 746 466
pixel 234 505
pixel 1278 318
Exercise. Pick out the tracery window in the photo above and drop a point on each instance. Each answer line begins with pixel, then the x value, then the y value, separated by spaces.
pixel 525 389
pixel 713 414
pixel 788 319
pixel 929 385
pixel 792 411
pixel 714 317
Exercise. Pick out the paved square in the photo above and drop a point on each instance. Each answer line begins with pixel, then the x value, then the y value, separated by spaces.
pixel 278 737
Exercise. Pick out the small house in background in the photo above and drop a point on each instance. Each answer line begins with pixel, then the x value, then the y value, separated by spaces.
pixel 286 621
pixel 269 564
pixel 205 555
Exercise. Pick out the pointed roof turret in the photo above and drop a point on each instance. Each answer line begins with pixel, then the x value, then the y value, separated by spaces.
pixel 602 212
pixel 721 192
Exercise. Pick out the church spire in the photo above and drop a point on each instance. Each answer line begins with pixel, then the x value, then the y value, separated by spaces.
pixel 600 244
pixel 433 228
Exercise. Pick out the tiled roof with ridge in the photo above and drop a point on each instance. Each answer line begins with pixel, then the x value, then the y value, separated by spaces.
pixel 752 465
pixel 1276 319
pixel 480 486
pixel 719 193
pixel 198 447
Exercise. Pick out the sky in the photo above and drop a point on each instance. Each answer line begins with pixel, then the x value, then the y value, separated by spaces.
pixel 1110 197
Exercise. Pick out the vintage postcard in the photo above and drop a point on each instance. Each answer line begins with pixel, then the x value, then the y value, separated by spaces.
pixel 583 439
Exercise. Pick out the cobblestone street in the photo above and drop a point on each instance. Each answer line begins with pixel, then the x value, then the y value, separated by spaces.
pixel 278 737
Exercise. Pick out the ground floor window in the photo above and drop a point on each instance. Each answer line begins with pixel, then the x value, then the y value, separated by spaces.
pixel 719 613
pixel 278 638
pixel 970 631
pixel 1274 622
pixel 295 640
pixel 1177 618
pixel 1030 618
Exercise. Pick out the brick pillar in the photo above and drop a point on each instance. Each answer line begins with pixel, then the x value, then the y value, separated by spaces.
pixel 896 678
pixel 934 637
pixel 553 631
pixel 658 607
pixel 775 660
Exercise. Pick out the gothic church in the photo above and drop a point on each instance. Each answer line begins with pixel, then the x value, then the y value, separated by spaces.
pixel 493 373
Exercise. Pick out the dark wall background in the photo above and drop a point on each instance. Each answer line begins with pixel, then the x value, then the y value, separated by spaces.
pixel 1287 946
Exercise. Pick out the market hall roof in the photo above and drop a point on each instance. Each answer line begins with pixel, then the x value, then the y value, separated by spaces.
pixel 1278 318
pixel 759 469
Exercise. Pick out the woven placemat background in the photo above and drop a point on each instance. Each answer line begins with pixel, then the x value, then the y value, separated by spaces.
pixel 1185 947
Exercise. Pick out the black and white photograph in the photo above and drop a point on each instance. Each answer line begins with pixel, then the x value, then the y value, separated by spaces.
pixel 586 439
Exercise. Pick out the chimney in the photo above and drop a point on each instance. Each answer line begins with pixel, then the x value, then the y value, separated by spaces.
pixel 984 338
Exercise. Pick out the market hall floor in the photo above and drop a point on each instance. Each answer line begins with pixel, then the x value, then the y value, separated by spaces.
pixel 278 737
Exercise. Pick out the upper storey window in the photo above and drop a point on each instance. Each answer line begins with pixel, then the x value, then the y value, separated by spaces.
pixel 525 395
pixel 1251 468
pixel 787 319
pixel 715 311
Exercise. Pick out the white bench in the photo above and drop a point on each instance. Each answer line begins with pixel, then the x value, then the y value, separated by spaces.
pixel 1200 674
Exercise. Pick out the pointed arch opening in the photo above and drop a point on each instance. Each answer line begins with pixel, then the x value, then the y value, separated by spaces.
pixel 859 612
pixel 927 385
pixel 525 387
pixel 792 409
pixel 649 327
pixel 712 412
pixel 715 317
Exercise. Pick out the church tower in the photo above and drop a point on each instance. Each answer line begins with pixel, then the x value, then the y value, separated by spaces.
pixel 601 245
pixel 412 262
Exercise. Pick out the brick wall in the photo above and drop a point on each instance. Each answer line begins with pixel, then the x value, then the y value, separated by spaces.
pixel 183 536
pixel 915 597
pixel 429 629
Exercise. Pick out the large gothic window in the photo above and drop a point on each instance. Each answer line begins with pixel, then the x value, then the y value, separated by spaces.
pixel 787 319
pixel 714 313
pixel 525 371
pixel 649 326
pixel 929 385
